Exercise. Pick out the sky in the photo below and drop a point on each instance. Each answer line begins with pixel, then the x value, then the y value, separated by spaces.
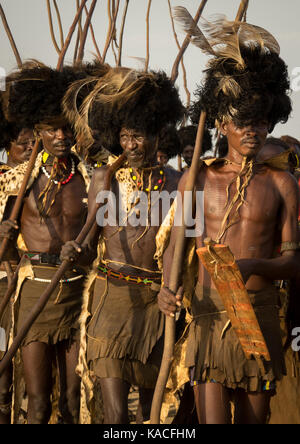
pixel 28 21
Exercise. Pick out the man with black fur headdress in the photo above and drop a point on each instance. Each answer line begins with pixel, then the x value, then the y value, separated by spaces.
pixel 53 211
pixel 122 326
pixel 248 206
pixel 17 143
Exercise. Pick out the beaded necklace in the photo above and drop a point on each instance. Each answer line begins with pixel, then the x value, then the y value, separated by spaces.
pixel 137 178
pixel 64 182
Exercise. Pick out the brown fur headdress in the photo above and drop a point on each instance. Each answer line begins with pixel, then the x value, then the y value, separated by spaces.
pixel 123 97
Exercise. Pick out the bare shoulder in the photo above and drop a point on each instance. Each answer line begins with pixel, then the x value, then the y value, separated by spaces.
pixel 284 181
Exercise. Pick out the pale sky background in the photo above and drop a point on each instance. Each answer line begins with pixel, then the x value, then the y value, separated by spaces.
pixel 28 21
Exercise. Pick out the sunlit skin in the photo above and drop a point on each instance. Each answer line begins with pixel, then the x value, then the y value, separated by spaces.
pixel 140 150
pixel 65 221
pixel 271 209
pixel 57 141
pixel 21 148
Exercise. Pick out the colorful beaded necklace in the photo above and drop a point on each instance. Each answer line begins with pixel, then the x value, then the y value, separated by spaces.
pixel 137 178
pixel 48 175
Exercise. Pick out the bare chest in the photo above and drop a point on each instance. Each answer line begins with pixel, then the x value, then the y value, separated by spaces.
pixel 68 202
pixel 256 201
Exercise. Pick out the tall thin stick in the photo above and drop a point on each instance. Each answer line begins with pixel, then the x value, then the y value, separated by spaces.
pixel 51 28
pixel 94 38
pixel 60 27
pixel 147 36
pixel 69 36
pixel 188 94
pixel 121 33
pixel 85 31
pixel 10 37
pixel 185 44
pixel 111 29
pixel 79 33
pixel 169 338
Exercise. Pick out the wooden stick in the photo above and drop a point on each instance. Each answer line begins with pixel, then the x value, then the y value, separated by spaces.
pixel 69 36
pixel 10 37
pixel 176 268
pixel 94 38
pixel 38 307
pixel 60 27
pixel 188 94
pixel 121 33
pixel 85 31
pixel 111 30
pixel 79 32
pixel 10 289
pixel 18 203
pixel 185 44
pixel 147 36
pixel 51 28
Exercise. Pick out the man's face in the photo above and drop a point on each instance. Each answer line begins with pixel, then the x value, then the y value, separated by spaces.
pixel 21 148
pixel 187 154
pixel 161 158
pixel 248 140
pixel 139 148
pixel 57 141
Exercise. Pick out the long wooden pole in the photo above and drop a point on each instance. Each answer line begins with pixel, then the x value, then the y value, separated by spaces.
pixel 38 307
pixel 169 338
pixel 10 37
pixel 69 36
pixel 85 31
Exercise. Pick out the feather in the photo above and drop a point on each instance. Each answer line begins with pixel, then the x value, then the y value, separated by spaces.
pixel 184 18
pixel 223 38
pixel 228 85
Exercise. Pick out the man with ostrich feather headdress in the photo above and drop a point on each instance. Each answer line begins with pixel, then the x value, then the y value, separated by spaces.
pixel 249 206
pixel 121 323
pixel 53 211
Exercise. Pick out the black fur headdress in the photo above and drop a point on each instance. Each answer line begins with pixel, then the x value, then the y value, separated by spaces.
pixel 245 80
pixel 35 92
pixel 123 97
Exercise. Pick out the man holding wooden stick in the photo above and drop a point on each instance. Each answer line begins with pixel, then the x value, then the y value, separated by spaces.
pixel 248 207
pixel 18 143
pixel 121 322
pixel 54 211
